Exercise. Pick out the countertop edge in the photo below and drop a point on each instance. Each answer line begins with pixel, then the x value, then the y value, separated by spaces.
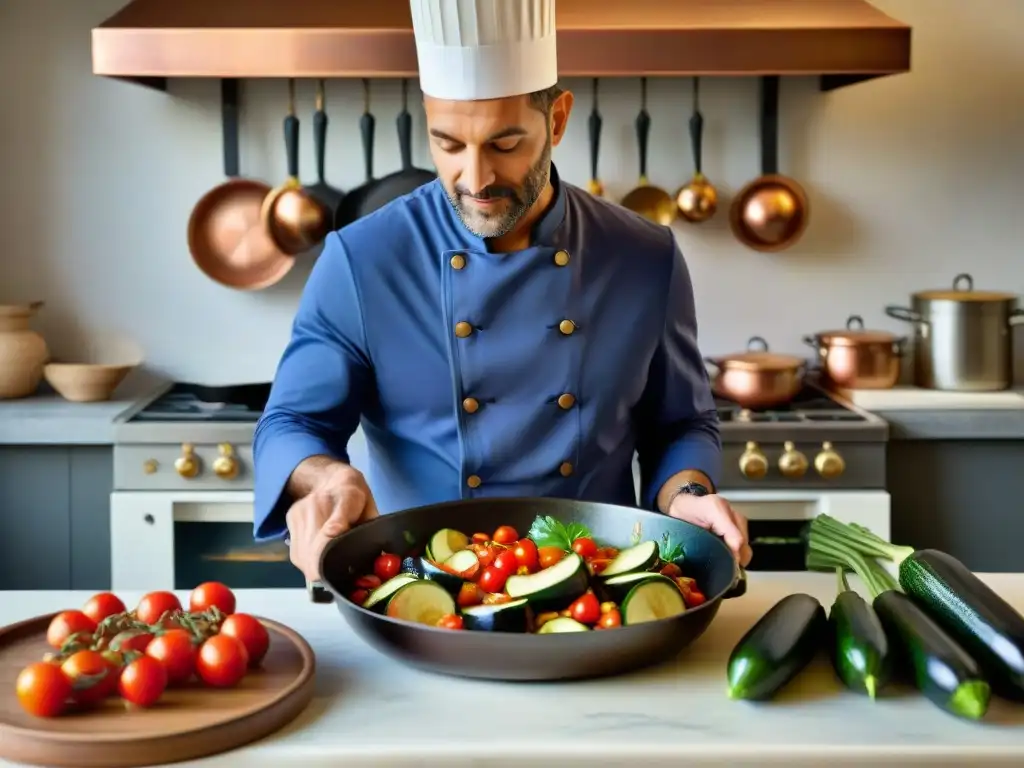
pixel 954 424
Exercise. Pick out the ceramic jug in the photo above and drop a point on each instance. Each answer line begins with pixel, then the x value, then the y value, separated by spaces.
pixel 23 352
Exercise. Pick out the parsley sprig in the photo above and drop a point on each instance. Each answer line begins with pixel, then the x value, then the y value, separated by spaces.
pixel 546 531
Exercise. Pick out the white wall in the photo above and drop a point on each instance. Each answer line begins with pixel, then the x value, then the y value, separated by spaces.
pixel 912 179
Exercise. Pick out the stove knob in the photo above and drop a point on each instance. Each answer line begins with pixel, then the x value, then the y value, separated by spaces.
pixel 828 463
pixel 149 466
pixel 226 465
pixel 792 463
pixel 753 462
pixel 187 465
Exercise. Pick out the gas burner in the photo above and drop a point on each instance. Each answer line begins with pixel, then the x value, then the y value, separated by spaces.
pixel 196 402
pixel 810 405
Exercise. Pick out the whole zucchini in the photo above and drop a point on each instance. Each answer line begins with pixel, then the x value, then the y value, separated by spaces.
pixel 941 669
pixel 776 648
pixel 859 648
pixel 980 620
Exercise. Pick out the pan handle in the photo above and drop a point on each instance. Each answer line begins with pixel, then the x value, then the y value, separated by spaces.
pixel 229 121
pixel 291 135
pixel 594 123
pixel 404 123
pixel 697 129
pixel 316 590
pixel 320 131
pixel 769 125
pixel 739 584
pixel 643 130
pixel 367 127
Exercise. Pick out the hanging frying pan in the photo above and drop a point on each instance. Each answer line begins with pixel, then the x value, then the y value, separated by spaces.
pixel 329 197
pixel 294 218
pixel 352 205
pixel 594 186
pixel 649 201
pixel 404 181
pixel 771 212
pixel 226 236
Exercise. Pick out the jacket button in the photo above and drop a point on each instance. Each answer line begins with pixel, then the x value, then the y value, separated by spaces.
pixel 463 329
pixel 471 405
pixel 565 469
pixel 566 401
pixel 458 261
pixel 473 481
pixel 561 258
pixel 567 327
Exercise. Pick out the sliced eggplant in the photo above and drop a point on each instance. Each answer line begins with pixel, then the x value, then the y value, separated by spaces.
pixel 513 616
pixel 617 587
pixel 554 588
pixel 421 602
pixel 560 625
pixel 652 600
pixel 445 543
pixel 377 600
pixel 641 557
pixel 412 566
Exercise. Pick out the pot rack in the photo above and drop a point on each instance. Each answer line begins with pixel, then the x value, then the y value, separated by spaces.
pixel 840 41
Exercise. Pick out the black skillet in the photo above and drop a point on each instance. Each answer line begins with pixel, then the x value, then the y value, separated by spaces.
pixel 507 656
pixel 351 205
pixel 330 197
pixel 401 182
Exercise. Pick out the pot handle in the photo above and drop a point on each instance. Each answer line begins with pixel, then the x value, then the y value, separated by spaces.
pixel 899 347
pixel 713 363
pixel 813 343
pixel 1017 317
pixel 739 584
pixel 963 282
pixel 757 344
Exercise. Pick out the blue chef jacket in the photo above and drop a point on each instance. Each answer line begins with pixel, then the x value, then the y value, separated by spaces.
pixel 475 374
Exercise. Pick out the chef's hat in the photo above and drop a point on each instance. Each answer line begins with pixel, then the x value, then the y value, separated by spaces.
pixel 484 49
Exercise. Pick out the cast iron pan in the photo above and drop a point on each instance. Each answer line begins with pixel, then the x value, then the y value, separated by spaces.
pixel 506 656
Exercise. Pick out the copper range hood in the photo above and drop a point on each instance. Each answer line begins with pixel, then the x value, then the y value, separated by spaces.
pixel 843 41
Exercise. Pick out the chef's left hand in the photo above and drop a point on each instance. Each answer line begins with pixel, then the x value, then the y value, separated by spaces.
pixel 713 513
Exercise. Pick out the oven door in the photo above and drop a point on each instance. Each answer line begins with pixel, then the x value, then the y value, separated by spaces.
pixel 778 519
pixel 176 540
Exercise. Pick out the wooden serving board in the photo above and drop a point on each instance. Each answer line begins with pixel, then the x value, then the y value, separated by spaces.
pixel 188 722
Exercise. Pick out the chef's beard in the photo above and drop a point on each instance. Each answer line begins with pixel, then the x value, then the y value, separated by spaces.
pixel 518 200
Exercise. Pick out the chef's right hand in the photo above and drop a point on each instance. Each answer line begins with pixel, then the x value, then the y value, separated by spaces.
pixel 339 500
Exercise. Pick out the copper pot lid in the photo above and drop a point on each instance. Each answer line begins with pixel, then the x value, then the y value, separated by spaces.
pixel 854 334
pixel 963 290
pixel 758 358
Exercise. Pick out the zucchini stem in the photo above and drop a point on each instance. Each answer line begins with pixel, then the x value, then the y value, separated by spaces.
pixel 838 550
pixel 844 585
pixel 856 538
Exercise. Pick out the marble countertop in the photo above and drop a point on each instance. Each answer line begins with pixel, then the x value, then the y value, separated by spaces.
pixel 372 711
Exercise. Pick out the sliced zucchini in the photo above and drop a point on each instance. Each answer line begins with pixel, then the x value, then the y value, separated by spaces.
pixel 562 624
pixel 446 543
pixel 422 602
pixel 642 557
pixel 617 587
pixel 652 600
pixel 513 616
pixel 378 599
pixel 463 561
pixel 553 588
pixel 433 572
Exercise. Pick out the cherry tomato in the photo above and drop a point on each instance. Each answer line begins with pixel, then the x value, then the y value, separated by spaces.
pixel 92 677
pixel 221 661
pixel 480 538
pixel 548 556
pixel 611 619
pixel 585 547
pixel 369 582
pixel 450 621
pixel 251 633
pixel 387 566
pixel 506 534
pixel 131 640
pixel 598 564
pixel 493 579
pixel 68 623
pixel 586 609
pixel 210 594
pixel 485 554
pixel 143 682
pixel 671 570
pixel 42 689
pixel 470 594
pixel 526 554
pixel 506 561
pixel 102 605
pixel 175 651
pixel 359 596
pixel 154 605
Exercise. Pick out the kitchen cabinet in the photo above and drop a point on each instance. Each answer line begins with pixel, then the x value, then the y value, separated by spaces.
pixel 961 496
pixel 55 516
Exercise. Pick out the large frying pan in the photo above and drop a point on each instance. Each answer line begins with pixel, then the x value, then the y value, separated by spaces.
pixel 401 182
pixel 506 656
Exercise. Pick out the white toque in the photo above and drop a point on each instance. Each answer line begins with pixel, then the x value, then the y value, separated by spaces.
pixel 484 49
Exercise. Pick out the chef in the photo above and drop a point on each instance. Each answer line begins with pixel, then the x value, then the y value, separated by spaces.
pixel 498 331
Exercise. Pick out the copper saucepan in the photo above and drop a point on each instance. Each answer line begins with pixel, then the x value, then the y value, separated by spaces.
pixel 757 379
pixel 771 212
pixel 858 358
pixel 226 236
pixel 295 219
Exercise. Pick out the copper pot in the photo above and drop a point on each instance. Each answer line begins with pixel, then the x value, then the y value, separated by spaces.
pixel 857 358
pixel 757 379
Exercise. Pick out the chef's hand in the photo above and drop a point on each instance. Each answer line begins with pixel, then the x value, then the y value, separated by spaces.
pixel 714 513
pixel 337 501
